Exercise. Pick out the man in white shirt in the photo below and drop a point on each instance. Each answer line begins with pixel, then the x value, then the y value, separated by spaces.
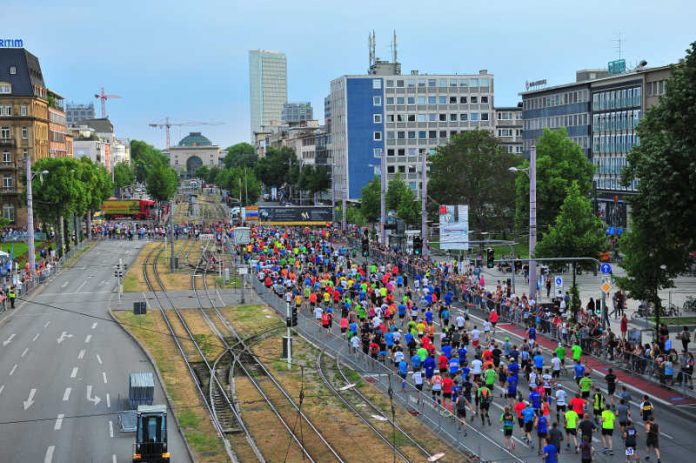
pixel 318 311
pixel 561 401
pixel 460 321
pixel 476 366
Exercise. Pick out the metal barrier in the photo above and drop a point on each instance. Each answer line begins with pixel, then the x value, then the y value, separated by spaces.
pixel 418 403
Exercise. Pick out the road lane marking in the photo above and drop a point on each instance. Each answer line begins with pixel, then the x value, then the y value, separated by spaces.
pixel 9 340
pixel 108 400
pixel 104 376
pixel 30 401
pixel 99 359
pixel 94 325
pixel 47 323
pixel 65 284
pixel 14 368
pixel 81 286
pixel 63 336
pixel 59 422
pixel 667 435
pixel 2 388
pixel 36 336
pixel 113 458
pixel 111 429
pixel 88 339
pixel 74 372
pixel 94 399
pixel 49 454
pixel 66 394
pixel 24 352
pixel 81 355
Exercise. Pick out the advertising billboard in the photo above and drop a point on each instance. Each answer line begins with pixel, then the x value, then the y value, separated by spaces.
pixel 296 215
pixel 454 227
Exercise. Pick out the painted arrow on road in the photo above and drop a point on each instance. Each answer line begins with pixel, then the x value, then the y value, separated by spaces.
pixel 8 340
pixel 63 336
pixel 30 401
pixel 94 399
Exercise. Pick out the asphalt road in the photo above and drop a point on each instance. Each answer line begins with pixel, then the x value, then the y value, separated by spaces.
pixel 64 376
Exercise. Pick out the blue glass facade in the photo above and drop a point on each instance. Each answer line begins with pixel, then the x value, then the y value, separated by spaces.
pixel 365 107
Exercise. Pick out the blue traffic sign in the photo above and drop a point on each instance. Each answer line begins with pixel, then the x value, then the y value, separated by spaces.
pixel 558 281
pixel 605 269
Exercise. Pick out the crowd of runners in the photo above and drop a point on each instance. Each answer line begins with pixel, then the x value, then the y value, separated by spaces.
pixel 461 363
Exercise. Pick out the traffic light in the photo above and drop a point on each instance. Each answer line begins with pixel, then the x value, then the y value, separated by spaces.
pixel 293 317
pixel 118 270
pixel 365 247
pixel 417 245
pixel 490 258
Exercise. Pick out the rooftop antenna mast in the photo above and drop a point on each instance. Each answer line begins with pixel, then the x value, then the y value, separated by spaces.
pixel 371 47
pixel 394 48
pixel 619 45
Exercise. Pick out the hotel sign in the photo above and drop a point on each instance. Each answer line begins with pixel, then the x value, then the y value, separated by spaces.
pixel 534 85
pixel 11 43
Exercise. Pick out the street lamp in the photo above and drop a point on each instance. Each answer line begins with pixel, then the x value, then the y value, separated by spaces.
pixel 30 216
pixel 382 166
pixel 424 204
pixel 531 173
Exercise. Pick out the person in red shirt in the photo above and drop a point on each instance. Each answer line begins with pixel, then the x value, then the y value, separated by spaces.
pixel 442 362
pixel 493 317
pixel 519 406
pixel 487 355
pixel 447 385
pixel 624 326
pixel 578 404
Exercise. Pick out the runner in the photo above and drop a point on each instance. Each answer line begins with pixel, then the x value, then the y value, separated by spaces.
pixel 586 450
pixel 610 379
pixel 561 401
pixel 652 442
pixel 508 421
pixel 607 419
pixel 571 425
pixel 542 426
pixel 528 416
pixel 646 409
pixel 630 436
pixel 550 453
pixel 485 397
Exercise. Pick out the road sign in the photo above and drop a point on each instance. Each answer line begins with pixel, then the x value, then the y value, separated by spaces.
pixel 605 269
pixel 558 281
pixel 242 270
pixel 606 287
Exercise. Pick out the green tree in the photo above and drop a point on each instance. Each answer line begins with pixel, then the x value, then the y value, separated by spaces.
pixel 321 179
pixel 560 162
pixel 98 187
pixel 409 209
pixel 241 183
pixel 123 175
pixel 145 157
pixel 577 232
pixel 275 168
pixel 663 213
pixel 473 169
pixel 396 189
pixel 370 200
pixel 162 182
pixel 240 155
pixel 203 172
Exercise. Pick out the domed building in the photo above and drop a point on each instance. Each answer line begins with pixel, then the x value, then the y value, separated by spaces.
pixel 193 151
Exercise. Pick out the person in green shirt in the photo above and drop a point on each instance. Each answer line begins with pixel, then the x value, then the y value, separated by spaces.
pixel 422 353
pixel 571 425
pixel 561 353
pixel 577 352
pixel 608 418
pixel 585 384
pixel 490 375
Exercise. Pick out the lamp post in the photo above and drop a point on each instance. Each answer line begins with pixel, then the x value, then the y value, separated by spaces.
pixel 531 173
pixel 30 217
pixel 424 204
pixel 383 199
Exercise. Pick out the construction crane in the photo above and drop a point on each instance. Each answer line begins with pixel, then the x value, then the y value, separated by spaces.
pixel 103 97
pixel 167 124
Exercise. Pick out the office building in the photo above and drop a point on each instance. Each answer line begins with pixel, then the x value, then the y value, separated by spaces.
pixel 601 111
pixel 268 88
pixel 407 117
pixel 32 124
pixel 509 127
pixel 294 113
pixel 76 113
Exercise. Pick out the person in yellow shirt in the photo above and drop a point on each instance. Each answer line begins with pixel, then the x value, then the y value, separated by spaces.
pixel 608 418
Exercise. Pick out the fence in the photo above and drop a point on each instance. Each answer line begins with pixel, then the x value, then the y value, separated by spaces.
pixel 418 403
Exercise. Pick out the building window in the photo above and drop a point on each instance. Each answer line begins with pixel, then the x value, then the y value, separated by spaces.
pixel 8 212
pixel 5 88
pixel 377 118
pixel 484 116
pixel 376 101
pixel 6 157
pixel 5 132
pixel 377 152
pixel 432 100
pixel 377 84
pixel 7 181
pixel 390 83
pixel 23 110
pixel 453 117
pixel 376 136
pixel 474 116
pixel 390 100
pixel 400 83
pixel 390 152
pixel 25 133
pixel 390 169
pixel 474 99
pixel 13 70
pixel 464 117
pixel 411 100
pixel 484 99
pixel 462 100
pixel 401 135
pixel 400 100
pixel 442 100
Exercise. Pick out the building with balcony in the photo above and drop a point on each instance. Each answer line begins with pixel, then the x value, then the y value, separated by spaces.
pixel 509 127
pixel 60 140
pixel 268 88
pixel 76 113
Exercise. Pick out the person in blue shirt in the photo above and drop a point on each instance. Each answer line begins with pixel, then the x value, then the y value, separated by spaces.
pixel 416 362
pixel 447 350
pixel 579 371
pixel 528 416
pixel 512 382
pixel 462 354
pixel 389 338
pixel 513 368
pixel 403 368
pixel 539 362
pixel 466 371
pixel 407 338
pixel 550 452
pixel 429 366
pixel 400 281
pixel 445 315
pixel 535 399
pixel 429 316
pixel 402 310
pixel 531 333
pixel 453 366
pixel 514 353
pixel 448 298
pixel 542 425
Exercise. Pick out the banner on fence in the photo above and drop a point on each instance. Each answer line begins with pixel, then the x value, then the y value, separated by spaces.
pixel 454 227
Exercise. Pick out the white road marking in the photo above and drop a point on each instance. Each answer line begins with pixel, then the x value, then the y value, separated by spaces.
pixel 667 435
pixel 59 422
pixel 47 323
pixel 49 454
pixel 113 458
pixel 99 359
pixel 81 286
pixel 14 368
pixel 9 340
pixel 2 388
pixel 30 401
pixel 74 372
pixel 66 394
pixel 81 355
pixel 111 429
pixel 63 336
pixel 94 325
pixel 94 399
pixel 88 339
pixel 36 336
pixel 24 352
pixel 108 400
pixel 104 376
pixel 65 284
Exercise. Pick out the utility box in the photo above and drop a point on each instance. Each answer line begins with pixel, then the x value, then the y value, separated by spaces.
pixel 285 347
pixel 139 308
pixel 141 389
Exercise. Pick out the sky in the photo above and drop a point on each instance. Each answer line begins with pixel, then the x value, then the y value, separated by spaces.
pixel 188 60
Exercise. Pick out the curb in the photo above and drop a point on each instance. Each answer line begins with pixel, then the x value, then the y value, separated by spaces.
pixel 672 407
pixel 160 379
